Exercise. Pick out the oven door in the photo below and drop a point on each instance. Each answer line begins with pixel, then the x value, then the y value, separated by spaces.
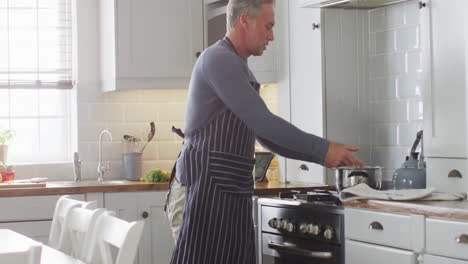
pixel 285 250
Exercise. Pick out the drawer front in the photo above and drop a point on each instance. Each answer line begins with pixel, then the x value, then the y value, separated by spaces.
pixel 37 230
pixel 27 208
pixel 441 238
pixel 429 259
pixel 438 171
pixel 364 253
pixel 378 228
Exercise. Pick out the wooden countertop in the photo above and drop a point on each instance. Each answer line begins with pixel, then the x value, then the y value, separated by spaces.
pixel 261 188
pixel 456 210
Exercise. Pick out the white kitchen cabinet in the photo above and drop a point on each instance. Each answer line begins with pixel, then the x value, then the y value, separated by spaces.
pixel 444 69
pixel 30 215
pixel 443 45
pixel 371 235
pixel 364 253
pixel 156 244
pixel 447 238
pixel 263 67
pixel 146 44
pixel 430 259
pixel 37 230
pixel 306 92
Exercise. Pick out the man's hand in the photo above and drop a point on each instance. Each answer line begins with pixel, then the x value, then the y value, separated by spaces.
pixel 341 155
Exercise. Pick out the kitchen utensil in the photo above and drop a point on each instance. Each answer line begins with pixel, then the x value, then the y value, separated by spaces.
pixel 350 176
pixel 150 135
pixel 130 138
pixel 412 174
pixel 131 163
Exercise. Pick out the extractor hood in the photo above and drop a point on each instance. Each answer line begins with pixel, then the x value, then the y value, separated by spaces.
pixel 355 4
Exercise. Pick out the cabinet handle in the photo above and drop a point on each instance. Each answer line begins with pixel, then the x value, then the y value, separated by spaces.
pixel 462 239
pixel 145 214
pixel 455 174
pixel 421 4
pixel 315 26
pixel 376 226
pixel 304 167
pixel 198 54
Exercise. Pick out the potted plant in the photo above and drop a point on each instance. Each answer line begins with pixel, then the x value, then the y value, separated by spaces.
pixel 6 136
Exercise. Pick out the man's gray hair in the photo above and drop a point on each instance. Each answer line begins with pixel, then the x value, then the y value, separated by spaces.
pixel 236 7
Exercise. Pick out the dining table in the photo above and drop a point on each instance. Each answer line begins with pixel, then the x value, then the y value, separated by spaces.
pixel 19 249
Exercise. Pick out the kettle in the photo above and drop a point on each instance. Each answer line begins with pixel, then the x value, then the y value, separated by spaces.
pixel 412 174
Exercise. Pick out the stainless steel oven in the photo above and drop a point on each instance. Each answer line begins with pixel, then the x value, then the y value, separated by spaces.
pixel 296 230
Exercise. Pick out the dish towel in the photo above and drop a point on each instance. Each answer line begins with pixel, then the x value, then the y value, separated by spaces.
pixel 363 191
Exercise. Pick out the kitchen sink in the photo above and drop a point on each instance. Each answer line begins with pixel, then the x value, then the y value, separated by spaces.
pixel 87 183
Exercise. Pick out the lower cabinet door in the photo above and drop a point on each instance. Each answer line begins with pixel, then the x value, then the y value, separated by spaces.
pixel 37 230
pixel 430 259
pixel 364 253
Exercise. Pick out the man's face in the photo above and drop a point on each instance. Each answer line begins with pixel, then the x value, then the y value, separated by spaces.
pixel 260 30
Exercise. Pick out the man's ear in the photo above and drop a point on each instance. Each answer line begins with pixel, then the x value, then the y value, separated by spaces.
pixel 244 19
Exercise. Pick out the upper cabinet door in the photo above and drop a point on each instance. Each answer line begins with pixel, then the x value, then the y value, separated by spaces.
pixel 150 43
pixel 443 43
pixel 306 84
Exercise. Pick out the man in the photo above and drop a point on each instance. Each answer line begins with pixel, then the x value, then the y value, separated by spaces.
pixel 225 115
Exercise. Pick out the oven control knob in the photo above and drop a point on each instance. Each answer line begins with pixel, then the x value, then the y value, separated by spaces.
pixel 329 234
pixel 274 223
pixel 291 227
pixel 303 228
pixel 284 224
pixel 315 230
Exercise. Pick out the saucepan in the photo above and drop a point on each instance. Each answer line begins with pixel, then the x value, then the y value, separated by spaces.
pixel 350 176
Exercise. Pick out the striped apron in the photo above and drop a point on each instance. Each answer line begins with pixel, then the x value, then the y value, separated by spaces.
pixel 218 225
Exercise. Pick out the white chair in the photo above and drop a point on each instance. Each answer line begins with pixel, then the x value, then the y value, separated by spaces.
pixel 110 232
pixel 62 208
pixel 79 227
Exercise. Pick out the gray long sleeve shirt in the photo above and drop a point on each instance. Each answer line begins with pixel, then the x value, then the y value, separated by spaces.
pixel 221 80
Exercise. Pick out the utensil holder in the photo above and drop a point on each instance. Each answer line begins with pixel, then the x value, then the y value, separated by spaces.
pixel 131 166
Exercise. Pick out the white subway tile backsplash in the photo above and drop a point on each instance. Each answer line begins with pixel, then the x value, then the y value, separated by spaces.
pixel 145 112
pixel 171 112
pixel 407 133
pixel 384 42
pixel 377 20
pixel 169 150
pixel 415 110
pixel 384 88
pixel 377 68
pixel 104 112
pixel 414 62
pixel 385 135
pixel 395 16
pixel 407 38
pixel 396 107
pixel 409 87
pixel 412 12
pixel 395 63
pixel 90 131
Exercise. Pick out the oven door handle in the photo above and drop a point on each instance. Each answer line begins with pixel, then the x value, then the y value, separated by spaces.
pixel 294 250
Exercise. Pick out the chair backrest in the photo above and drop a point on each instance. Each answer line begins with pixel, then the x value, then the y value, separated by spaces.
pixel 62 208
pixel 110 232
pixel 79 226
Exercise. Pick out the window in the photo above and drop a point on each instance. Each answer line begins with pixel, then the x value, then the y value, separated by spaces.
pixel 36 79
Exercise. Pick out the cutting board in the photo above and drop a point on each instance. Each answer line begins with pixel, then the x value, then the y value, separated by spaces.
pixel 7 185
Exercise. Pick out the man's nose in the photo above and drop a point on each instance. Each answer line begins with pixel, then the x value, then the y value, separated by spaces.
pixel 271 36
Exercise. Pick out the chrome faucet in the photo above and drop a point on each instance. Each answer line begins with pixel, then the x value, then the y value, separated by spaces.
pixel 102 168
pixel 76 167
